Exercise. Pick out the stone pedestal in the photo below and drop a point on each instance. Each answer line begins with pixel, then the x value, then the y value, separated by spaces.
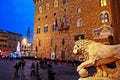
pixel 107 69
pixel 96 78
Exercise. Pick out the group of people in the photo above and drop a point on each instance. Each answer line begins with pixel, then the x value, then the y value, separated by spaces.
pixel 35 66
pixel 42 64
pixel 35 71
pixel 18 66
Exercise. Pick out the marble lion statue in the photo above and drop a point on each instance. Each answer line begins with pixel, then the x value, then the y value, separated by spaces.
pixel 93 51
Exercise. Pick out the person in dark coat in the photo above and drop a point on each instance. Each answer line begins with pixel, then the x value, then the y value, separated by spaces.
pixel 37 68
pixel 32 69
pixel 51 74
pixel 15 69
pixel 23 64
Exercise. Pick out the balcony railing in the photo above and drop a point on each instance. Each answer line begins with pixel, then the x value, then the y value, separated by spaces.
pixel 63 28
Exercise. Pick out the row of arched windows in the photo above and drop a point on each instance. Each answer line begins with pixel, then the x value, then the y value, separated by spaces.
pixel 54 28
pixel 102 3
pixel 103 17
pixel 47 5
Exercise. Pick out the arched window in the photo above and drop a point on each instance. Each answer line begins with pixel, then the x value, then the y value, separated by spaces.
pixel 79 22
pixel 55 3
pixel 38 30
pixel 46 28
pixel 54 26
pixel 101 18
pixel 103 3
pixel 79 10
pixel 104 17
pixel 40 9
pixel 47 6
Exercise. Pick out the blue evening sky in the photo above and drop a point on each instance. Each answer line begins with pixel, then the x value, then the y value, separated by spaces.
pixel 17 15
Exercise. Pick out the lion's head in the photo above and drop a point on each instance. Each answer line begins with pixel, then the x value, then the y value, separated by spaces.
pixel 76 49
pixel 81 46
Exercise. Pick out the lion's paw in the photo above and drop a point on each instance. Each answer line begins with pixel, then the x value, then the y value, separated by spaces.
pixel 79 68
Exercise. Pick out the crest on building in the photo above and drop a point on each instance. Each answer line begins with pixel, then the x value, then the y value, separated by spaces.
pixel 103 32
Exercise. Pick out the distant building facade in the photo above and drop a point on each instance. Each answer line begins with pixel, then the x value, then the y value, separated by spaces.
pixel 8 41
pixel 13 39
pixel 59 23
pixel 3 41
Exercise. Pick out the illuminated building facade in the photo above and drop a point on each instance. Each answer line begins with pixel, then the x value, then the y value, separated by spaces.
pixel 3 41
pixel 13 39
pixel 59 23
pixel 8 41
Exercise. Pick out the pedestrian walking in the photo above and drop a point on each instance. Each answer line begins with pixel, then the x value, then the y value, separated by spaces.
pixel 15 70
pixel 32 69
pixel 51 74
pixel 19 65
pixel 23 64
pixel 37 68
pixel 49 65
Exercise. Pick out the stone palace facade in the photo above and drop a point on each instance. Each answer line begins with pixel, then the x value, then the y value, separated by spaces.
pixel 59 23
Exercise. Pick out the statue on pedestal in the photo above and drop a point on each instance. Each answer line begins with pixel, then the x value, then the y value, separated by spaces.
pixel 18 53
pixel 105 58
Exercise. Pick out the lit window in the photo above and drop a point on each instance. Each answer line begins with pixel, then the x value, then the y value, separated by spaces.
pixel 79 22
pixel 40 9
pixel 55 3
pixel 103 2
pixel 79 10
pixel 54 27
pixel 46 28
pixel 38 30
pixel 104 17
pixel 47 6
pixel 101 18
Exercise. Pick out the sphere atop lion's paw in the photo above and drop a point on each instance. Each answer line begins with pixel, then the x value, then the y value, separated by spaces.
pixel 83 73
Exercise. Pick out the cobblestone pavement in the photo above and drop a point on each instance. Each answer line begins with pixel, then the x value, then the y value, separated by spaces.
pixel 63 71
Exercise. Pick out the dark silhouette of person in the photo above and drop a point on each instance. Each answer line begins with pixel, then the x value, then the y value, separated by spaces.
pixel 32 69
pixel 37 68
pixel 51 74
pixel 15 68
pixel 23 64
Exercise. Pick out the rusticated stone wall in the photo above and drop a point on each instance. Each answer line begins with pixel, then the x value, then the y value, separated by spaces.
pixel 89 11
